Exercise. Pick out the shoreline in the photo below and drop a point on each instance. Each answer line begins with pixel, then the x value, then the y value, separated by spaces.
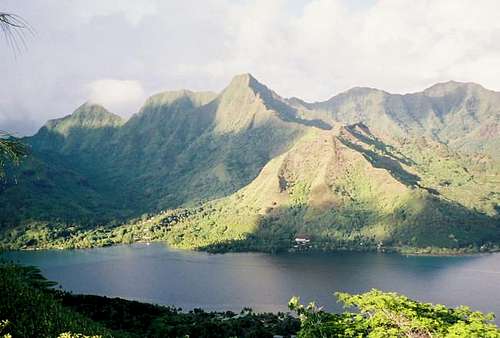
pixel 403 251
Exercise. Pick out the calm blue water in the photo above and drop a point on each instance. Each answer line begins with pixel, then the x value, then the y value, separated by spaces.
pixel 264 282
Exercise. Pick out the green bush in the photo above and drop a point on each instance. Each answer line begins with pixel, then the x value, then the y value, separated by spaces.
pixel 33 311
pixel 390 315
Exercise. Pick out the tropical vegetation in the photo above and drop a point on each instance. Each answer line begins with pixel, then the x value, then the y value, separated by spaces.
pixel 390 315
pixel 248 170
pixel 31 307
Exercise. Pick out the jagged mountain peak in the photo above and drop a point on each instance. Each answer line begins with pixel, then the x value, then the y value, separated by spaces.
pixel 92 114
pixel 246 103
pixel 243 78
pixel 247 81
pixel 90 108
pixel 89 115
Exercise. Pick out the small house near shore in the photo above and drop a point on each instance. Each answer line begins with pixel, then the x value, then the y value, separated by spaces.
pixel 302 239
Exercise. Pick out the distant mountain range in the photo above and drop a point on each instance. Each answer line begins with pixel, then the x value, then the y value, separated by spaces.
pixel 247 169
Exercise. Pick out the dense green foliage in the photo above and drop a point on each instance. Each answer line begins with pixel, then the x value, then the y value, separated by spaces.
pixel 31 309
pixel 248 170
pixel 11 150
pixel 147 320
pixel 389 315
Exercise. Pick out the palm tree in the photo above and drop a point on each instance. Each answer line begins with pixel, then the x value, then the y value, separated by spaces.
pixel 14 29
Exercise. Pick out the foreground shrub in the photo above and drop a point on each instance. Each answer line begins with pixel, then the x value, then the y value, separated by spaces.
pixel 386 315
pixel 33 311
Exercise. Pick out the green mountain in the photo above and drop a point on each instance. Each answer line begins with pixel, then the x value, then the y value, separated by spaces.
pixel 247 169
pixel 348 189
pixel 465 116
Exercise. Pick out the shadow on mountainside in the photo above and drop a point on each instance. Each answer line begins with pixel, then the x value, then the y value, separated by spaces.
pixel 435 223
pixel 363 134
pixel 285 111
pixel 384 162
pixel 358 137
pixel 132 171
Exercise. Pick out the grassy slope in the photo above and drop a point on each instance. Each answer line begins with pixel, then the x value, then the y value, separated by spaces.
pixel 351 189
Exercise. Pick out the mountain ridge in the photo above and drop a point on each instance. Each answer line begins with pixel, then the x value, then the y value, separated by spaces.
pixel 297 109
pixel 88 115
pixel 267 168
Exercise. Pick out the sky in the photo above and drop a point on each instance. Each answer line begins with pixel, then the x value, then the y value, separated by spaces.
pixel 117 53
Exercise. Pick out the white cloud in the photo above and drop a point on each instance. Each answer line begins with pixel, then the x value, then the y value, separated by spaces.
pixel 307 48
pixel 133 11
pixel 394 45
pixel 119 96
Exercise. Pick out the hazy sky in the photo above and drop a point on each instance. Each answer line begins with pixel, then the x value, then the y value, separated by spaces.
pixel 119 52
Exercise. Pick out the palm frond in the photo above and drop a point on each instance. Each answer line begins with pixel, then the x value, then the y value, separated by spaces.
pixel 15 30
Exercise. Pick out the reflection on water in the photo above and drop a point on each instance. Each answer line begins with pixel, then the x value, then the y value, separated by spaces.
pixel 155 273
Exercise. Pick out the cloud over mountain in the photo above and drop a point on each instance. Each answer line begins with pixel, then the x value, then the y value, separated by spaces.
pixel 311 49
pixel 117 95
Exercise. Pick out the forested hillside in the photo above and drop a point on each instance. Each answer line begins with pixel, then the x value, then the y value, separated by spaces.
pixel 247 169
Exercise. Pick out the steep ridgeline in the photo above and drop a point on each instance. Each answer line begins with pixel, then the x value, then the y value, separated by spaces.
pixel 246 169
pixel 59 179
pixel 349 189
pixel 182 147
pixel 466 116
